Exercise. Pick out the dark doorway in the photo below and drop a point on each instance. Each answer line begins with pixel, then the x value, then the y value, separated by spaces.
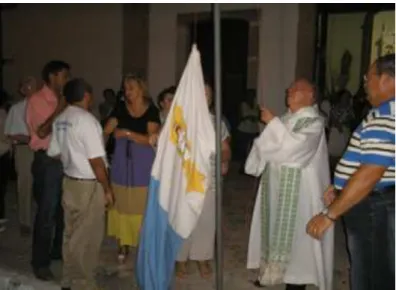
pixel 234 51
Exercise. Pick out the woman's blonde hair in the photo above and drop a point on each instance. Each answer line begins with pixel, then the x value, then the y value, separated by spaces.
pixel 141 83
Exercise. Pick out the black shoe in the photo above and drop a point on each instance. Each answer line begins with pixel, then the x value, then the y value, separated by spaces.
pixel 258 284
pixel 65 288
pixel 44 274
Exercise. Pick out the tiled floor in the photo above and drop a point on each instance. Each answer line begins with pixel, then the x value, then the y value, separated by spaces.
pixel 238 198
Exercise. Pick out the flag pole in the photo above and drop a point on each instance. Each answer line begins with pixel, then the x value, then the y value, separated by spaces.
pixel 219 192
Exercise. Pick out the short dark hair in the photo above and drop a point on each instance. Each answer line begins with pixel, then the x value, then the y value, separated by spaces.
pixel 386 65
pixel 108 90
pixel 53 67
pixel 161 97
pixel 75 90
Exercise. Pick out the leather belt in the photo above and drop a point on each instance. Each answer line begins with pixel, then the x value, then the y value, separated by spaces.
pixel 80 179
pixel 388 190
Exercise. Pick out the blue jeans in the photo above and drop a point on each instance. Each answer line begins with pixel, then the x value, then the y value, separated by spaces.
pixel 48 225
pixel 370 229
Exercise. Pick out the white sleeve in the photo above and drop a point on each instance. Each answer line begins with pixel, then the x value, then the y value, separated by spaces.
pixel 92 138
pixel 224 131
pixel 53 149
pixel 277 144
pixel 9 121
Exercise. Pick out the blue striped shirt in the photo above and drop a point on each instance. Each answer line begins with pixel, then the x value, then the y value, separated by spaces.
pixel 373 142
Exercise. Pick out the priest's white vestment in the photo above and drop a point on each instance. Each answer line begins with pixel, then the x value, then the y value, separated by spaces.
pixel 296 141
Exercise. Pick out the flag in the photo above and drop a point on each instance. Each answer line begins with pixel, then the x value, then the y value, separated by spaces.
pixel 180 176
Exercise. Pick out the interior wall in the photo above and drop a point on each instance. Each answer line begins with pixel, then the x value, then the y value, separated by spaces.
pixel 278 33
pixel 383 33
pixel 344 32
pixel 135 38
pixel 88 36
pixel 163 40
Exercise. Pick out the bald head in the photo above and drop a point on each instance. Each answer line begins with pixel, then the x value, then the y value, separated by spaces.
pixel 300 94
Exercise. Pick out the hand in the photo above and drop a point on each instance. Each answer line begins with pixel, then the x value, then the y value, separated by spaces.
pixel 224 168
pixel 329 195
pixel 318 225
pixel 266 115
pixel 109 198
pixel 121 133
pixel 153 140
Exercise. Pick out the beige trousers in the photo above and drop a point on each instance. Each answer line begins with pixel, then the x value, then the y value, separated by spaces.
pixel 23 164
pixel 200 245
pixel 84 212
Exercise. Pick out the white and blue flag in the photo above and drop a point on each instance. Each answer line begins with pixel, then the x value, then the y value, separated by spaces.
pixel 180 176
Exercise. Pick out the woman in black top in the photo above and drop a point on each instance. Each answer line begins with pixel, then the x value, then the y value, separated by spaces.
pixel 133 122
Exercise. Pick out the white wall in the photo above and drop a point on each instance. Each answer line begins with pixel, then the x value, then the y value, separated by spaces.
pixel 344 32
pixel 277 46
pixel 278 29
pixel 88 36
pixel 163 38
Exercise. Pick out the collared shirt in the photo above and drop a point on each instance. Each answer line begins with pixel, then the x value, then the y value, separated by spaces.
pixel 77 137
pixel 39 108
pixel 15 123
pixel 373 142
pixel 224 130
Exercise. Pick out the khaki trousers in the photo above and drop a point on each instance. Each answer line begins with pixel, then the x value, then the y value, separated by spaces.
pixel 84 212
pixel 23 167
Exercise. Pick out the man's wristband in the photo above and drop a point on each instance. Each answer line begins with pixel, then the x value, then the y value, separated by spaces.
pixel 325 212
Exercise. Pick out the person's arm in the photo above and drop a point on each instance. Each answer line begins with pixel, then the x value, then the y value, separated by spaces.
pixel 101 173
pixel 54 148
pixel 91 136
pixel 152 129
pixel 377 142
pixel 46 128
pixel 109 128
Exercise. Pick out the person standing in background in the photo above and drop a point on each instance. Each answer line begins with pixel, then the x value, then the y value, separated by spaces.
pixel 106 107
pixel 78 140
pixel 199 247
pixel 165 99
pixel 363 191
pixel 133 123
pixel 248 127
pixel 17 131
pixel 41 110
pixel 5 147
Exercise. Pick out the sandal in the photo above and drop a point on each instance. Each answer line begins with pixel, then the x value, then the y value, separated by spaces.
pixel 181 270
pixel 204 269
pixel 123 252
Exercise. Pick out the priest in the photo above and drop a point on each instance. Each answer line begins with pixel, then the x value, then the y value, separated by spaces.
pixel 291 157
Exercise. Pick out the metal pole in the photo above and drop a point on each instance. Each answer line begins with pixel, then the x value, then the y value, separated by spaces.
pixel 217 66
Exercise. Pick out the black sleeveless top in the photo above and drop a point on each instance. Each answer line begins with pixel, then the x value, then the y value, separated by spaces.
pixel 136 124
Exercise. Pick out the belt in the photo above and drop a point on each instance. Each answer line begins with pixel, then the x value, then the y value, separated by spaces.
pixel 80 179
pixel 388 189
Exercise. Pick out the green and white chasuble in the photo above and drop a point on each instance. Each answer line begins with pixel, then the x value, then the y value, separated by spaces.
pixel 291 157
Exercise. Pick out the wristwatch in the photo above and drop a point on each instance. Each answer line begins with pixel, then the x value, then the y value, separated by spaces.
pixel 325 212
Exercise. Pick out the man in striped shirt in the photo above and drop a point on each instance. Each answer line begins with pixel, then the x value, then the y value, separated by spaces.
pixel 364 187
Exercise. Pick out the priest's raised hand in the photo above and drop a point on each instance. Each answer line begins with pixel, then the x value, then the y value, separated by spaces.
pixel 266 115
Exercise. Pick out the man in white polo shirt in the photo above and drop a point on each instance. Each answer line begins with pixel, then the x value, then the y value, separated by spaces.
pixel 17 131
pixel 77 138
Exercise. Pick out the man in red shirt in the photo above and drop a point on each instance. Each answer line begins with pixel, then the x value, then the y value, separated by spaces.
pixel 41 110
